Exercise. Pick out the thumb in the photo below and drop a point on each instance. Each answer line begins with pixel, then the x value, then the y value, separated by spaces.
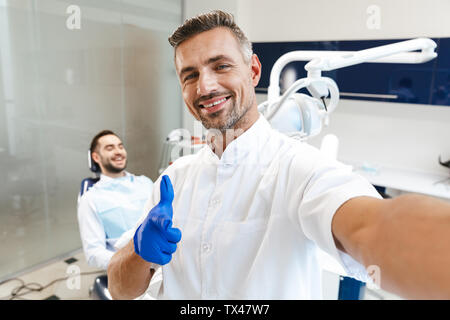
pixel 173 235
pixel 166 190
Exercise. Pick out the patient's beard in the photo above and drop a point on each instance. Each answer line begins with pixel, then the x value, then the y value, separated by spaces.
pixel 109 167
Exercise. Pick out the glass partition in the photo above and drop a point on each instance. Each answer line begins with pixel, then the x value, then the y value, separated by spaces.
pixel 69 69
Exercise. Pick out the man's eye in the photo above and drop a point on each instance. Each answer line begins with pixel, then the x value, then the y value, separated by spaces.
pixel 189 77
pixel 222 66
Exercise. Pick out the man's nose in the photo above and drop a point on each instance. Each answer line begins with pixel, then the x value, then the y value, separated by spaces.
pixel 207 83
pixel 118 151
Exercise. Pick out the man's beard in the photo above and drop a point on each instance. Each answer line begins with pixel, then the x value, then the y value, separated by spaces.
pixel 108 166
pixel 234 116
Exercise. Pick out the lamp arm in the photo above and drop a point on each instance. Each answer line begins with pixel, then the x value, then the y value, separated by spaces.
pixel 400 52
pixel 299 84
pixel 400 49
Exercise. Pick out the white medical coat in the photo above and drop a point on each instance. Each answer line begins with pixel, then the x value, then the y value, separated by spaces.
pixel 252 221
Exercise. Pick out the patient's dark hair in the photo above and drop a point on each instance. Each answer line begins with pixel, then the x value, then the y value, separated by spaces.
pixel 102 133
pixel 209 21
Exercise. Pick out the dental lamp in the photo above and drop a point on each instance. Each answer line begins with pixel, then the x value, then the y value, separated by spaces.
pixel 302 116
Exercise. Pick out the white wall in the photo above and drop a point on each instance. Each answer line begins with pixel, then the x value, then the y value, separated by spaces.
pixel 305 20
pixel 399 135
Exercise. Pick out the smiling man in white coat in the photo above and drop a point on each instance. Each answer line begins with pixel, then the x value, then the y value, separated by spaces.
pixel 244 217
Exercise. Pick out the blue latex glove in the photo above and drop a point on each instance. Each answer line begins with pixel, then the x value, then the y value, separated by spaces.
pixel 155 240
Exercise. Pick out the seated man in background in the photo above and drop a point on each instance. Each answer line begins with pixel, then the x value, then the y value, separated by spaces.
pixel 114 204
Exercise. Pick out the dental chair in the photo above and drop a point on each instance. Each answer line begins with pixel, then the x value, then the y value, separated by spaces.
pixel 88 182
pixel 99 291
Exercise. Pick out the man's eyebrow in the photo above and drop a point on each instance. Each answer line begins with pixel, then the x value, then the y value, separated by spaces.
pixel 217 58
pixel 112 145
pixel 209 61
pixel 186 70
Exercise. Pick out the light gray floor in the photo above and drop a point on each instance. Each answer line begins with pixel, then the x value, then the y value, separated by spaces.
pixel 74 285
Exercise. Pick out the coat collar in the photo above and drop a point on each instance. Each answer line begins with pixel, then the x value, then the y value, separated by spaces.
pixel 253 139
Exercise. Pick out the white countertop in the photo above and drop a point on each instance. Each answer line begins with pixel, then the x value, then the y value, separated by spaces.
pixel 432 184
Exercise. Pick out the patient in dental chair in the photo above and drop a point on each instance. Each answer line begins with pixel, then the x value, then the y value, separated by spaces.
pixel 113 204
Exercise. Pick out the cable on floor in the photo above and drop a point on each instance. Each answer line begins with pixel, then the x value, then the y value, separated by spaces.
pixel 17 293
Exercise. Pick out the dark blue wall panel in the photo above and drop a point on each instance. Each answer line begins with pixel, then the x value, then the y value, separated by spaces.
pixel 426 83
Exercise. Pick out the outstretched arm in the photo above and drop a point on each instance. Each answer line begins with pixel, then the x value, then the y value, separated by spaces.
pixel 407 238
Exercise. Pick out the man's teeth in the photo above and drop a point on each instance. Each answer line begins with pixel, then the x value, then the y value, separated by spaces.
pixel 214 103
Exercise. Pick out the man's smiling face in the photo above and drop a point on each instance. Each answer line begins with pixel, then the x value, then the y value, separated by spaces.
pixel 110 155
pixel 217 83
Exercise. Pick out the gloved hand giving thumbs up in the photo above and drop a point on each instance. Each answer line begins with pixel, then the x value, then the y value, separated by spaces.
pixel 155 240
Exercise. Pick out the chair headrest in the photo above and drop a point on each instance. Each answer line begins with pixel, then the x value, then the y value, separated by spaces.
pixel 86 184
pixel 93 166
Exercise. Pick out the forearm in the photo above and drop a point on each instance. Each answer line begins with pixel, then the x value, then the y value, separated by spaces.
pixel 408 239
pixel 128 274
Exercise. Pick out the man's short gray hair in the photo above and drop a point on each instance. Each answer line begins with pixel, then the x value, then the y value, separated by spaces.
pixel 209 21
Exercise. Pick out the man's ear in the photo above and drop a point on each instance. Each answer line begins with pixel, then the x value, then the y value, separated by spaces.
pixel 95 156
pixel 256 70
